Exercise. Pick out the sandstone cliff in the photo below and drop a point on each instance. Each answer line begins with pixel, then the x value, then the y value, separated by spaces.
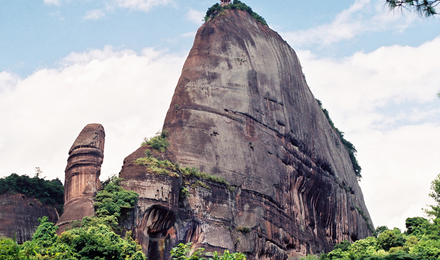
pixel 82 175
pixel 242 111
pixel 19 216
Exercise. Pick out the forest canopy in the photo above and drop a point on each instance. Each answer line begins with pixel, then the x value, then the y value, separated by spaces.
pixel 49 192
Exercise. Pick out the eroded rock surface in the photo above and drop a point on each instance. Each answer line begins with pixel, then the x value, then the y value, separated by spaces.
pixel 19 216
pixel 82 174
pixel 242 111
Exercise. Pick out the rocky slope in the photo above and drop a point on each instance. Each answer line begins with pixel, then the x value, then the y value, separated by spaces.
pixel 242 111
pixel 19 216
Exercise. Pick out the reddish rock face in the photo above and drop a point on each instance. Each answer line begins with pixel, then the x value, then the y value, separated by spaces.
pixel 19 216
pixel 242 111
pixel 82 174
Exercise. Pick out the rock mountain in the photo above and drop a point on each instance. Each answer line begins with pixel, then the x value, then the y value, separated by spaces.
pixel 242 112
pixel 273 178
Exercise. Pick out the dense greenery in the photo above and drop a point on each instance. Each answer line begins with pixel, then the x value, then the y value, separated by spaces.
pixel 186 252
pixel 423 7
pixel 115 201
pixel 236 5
pixel 158 142
pixel 350 147
pixel 93 238
pixel 420 241
pixel 48 192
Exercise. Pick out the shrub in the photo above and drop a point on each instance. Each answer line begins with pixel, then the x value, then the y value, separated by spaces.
pixel 158 142
pixel 236 5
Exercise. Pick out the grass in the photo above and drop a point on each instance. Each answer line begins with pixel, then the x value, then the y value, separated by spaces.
pixel 166 167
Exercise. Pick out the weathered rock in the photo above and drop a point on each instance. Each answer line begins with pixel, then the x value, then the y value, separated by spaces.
pixel 242 111
pixel 82 174
pixel 19 216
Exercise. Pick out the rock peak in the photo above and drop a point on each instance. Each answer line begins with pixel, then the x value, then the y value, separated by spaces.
pixel 242 112
pixel 82 174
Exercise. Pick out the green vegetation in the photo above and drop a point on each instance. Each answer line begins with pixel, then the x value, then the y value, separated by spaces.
pixel 154 165
pixel 94 238
pixel 186 252
pixel 115 201
pixel 47 192
pixel 158 142
pixel 423 7
pixel 168 168
pixel 350 147
pixel 216 9
pixel 421 240
pixel 243 229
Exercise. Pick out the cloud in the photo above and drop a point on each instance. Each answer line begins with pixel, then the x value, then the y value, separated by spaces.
pixel 52 2
pixel 7 81
pixel 387 76
pixel 386 103
pixel 195 16
pixel 41 115
pixel 363 16
pixel 142 5
pixel 94 14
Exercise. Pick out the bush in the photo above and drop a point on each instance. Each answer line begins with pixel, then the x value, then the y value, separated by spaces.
pixel 158 142
pixel 236 5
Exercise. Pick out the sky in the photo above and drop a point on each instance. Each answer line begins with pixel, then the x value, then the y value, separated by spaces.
pixel 67 63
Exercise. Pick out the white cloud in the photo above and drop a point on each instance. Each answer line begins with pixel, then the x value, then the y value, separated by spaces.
pixel 363 16
pixel 7 81
pixel 386 102
pixel 94 14
pixel 52 2
pixel 195 16
pixel 42 114
pixel 142 5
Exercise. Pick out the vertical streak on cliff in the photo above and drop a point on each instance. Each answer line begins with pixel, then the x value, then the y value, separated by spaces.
pixel 82 174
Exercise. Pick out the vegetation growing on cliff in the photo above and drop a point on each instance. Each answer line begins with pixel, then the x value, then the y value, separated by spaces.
pixel 159 142
pixel 94 238
pixel 236 5
pixel 48 192
pixel 421 240
pixel 350 147
pixel 186 252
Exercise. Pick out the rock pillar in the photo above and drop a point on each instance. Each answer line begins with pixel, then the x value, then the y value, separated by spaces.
pixel 82 174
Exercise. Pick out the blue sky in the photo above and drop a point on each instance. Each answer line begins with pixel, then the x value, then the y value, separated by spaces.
pixel 66 63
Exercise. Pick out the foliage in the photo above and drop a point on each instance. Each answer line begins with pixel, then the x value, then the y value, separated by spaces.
pixel 186 252
pixel 243 229
pixel 434 210
pixel 236 5
pixel 93 239
pixel 159 142
pixel 420 241
pixel 422 7
pixel 48 192
pixel 115 201
pixel 168 168
pixel 350 147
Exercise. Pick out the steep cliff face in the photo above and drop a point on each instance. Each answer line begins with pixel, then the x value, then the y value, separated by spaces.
pixel 19 216
pixel 82 174
pixel 242 111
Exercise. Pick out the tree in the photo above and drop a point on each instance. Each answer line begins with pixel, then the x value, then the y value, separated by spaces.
pixel 434 210
pixel 423 7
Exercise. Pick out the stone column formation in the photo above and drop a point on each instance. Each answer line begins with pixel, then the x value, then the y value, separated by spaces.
pixel 82 174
